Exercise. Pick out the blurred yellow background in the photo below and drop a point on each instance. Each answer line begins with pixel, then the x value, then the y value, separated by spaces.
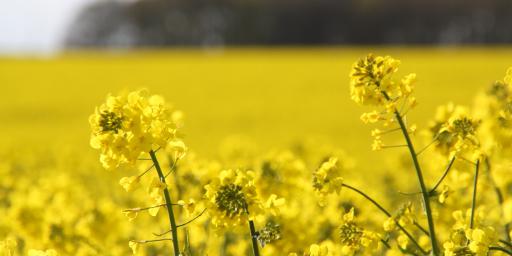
pixel 271 96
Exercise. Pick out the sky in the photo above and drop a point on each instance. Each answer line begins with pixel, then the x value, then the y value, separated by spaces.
pixel 35 26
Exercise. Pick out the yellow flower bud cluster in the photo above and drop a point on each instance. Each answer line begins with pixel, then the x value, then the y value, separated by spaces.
pixel 128 125
pixel 372 83
pixel 370 78
pixel 405 217
pixel 232 199
pixel 353 237
pixel 327 178
pixel 472 241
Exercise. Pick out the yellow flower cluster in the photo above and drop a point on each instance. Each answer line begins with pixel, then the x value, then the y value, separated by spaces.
pixel 470 194
pixel 128 125
pixel 370 80
pixel 327 178
pixel 404 217
pixel 354 238
pixel 372 83
pixel 471 241
pixel 232 199
pixel 459 134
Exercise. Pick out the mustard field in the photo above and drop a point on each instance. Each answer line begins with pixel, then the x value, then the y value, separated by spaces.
pixel 282 151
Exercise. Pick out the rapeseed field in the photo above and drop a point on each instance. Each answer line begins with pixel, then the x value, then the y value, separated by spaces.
pixel 306 151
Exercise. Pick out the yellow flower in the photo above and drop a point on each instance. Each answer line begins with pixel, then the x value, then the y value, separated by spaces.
pixel 403 241
pixel 232 199
pixel 190 207
pixel 462 129
pixel 177 148
pixel 389 224
pixel 131 215
pixel 134 245
pixel 8 247
pixel 354 237
pixel 407 84
pixel 327 178
pixel 371 117
pixel 318 250
pixel 370 78
pixel 128 125
pixel 130 183
pixel 377 143
pixel 444 194
pixel 480 240
pixel 273 204
pixel 455 131
pixel 268 234
pixel 156 193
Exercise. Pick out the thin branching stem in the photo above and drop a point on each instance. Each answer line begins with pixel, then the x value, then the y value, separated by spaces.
pixel 254 238
pixel 389 131
pixel 448 168
pixel 501 249
pixel 173 167
pixel 408 193
pixel 152 240
pixel 395 146
pixel 147 170
pixel 473 202
pixel 505 243
pixel 427 146
pixel 385 242
pixel 383 210
pixel 419 174
pixel 138 209
pixel 170 211
pixel 181 225
pixel 421 228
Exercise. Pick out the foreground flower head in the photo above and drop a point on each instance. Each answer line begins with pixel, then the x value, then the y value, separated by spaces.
pixel 327 178
pixel 353 237
pixel 232 198
pixel 127 125
pixel 371 81
pixel 460 133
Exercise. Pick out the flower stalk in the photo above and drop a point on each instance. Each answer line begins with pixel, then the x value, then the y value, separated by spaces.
pixel 168 202
pixel 382 209
pixel 424 191
pixel 254 239
pixel 419 174
pixel 473 202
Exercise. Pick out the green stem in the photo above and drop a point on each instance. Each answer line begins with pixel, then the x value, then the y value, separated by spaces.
pixel 431 192
pixel 387 214
pixel 424 192
pixel 385 243
pixel 497 248
pixel 505 243
pixel 254 238
pixel 473 202
pixel 168 202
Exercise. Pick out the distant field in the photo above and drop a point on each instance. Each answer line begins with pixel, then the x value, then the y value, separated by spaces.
pixel 272 96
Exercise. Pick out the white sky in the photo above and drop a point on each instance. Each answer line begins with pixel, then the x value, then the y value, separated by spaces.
pixel 35 26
